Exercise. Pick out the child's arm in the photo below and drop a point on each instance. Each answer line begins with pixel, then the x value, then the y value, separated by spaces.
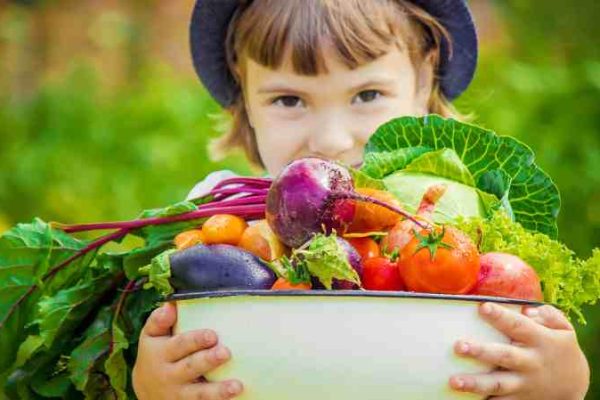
pixel 543 361
pixel 171 367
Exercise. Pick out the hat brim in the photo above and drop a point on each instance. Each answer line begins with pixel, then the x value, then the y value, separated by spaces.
pixel 208 34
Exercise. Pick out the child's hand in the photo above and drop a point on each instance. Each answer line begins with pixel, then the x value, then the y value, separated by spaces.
pixel 171 367
pixel 543 361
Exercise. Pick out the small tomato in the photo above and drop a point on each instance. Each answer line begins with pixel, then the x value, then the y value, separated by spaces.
pixel 365 246
pixel 381 273
pixel 224 229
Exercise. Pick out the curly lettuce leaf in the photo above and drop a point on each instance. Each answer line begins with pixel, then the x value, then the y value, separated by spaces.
pixel 567 281
pixel 531 194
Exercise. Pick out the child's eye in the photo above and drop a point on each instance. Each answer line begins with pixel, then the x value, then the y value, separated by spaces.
pixel 288 101
pixel 366 96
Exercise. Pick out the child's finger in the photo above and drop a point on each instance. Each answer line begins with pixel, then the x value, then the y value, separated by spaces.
pixel 549 316
pixel 513 324
pixel 213 390
pixel 185 344
pixel 494 383
pixel 199 363
pixel 497 354
pixel 161 321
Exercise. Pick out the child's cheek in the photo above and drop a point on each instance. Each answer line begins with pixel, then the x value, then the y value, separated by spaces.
pixel 278 146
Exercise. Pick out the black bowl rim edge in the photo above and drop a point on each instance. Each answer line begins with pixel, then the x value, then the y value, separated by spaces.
pixel 346 293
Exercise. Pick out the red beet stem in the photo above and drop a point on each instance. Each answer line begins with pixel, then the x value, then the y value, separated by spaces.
pixel 234 191
pixel 254 182
pixel 128 289
pixel 249 210
pixel 245 200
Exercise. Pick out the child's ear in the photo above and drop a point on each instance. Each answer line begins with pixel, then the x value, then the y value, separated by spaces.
pixel 424 84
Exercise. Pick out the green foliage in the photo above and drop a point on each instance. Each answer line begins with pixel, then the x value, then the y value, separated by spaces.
pixel 69 328
pixel 74 153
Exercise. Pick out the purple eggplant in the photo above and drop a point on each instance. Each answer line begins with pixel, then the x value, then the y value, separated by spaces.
pixel 218 267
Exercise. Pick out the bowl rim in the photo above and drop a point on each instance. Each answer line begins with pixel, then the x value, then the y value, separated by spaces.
pixel 346 293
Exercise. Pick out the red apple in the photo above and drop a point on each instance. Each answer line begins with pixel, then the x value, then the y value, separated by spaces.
pixel 505 275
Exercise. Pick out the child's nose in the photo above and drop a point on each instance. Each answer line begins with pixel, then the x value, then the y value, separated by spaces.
pixel 331 138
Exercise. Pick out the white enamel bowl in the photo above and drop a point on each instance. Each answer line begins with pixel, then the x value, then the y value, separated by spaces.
pixel 340 345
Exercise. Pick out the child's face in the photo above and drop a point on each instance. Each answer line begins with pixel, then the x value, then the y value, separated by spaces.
pixel 330 115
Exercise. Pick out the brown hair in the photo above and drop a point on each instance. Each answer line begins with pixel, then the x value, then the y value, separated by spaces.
pixel 359 30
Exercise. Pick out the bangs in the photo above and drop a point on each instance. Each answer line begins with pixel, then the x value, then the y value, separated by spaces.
pixel 358 31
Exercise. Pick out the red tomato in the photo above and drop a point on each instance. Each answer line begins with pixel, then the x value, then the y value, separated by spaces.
pixel 365 246
pixel 381 273
pixel 442 261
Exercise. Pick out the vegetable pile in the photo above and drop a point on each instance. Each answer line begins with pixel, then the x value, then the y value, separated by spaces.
pixel 438 206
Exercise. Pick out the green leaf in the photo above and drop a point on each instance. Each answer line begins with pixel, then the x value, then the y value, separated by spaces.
pixel 159 272
pixel 174 209
pixel 53 381
pixel 60 314
pixel 532 195
pixel 115 365
pixel 26 253
pixel 142 256
pixel 497 182
pixel 94 349
pixel 137 308
pixel 326 259
pixel 362 180
pixel 378 164
pixel 87 361
pixel 443 163
pixel 157 235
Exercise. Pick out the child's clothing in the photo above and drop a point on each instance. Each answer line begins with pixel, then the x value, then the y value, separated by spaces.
pixel 203 187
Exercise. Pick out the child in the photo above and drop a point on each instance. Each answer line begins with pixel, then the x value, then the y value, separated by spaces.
pixel 316 77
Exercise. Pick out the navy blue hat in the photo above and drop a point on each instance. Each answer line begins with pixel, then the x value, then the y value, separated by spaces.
pixel 210 20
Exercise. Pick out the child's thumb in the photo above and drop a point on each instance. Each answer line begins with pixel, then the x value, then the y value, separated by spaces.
pixel 161 321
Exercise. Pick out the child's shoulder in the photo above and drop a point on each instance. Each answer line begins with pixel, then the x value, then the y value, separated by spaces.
pixel 209 182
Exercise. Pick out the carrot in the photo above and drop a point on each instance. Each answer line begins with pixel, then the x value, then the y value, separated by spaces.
pixel 284 284
pixel 188 239
pixel 224 229
pixel 370 217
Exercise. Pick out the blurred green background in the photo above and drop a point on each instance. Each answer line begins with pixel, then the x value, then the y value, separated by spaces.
pixel 101 115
